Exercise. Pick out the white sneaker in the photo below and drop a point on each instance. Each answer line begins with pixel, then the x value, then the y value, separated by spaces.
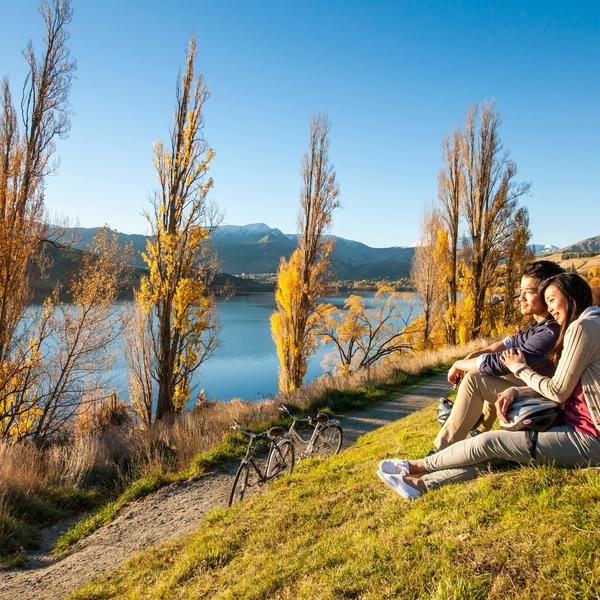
pixel 395 466
pixel 397 483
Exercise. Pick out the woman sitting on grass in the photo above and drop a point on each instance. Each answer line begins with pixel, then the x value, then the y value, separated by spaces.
pixel 575 384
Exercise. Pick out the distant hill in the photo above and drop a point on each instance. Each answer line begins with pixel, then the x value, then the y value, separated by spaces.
pixel 589 245
pixel 64 263
pixel 257 248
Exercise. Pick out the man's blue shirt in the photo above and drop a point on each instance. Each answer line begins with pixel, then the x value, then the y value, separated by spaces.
pixel 535 343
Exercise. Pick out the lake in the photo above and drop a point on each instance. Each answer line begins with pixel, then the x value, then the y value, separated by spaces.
pixel 245 364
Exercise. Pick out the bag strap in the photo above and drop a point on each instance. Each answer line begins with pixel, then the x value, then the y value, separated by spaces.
pixel 532 438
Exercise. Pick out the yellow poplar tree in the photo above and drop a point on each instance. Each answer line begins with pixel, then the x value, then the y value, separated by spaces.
pixel 465 310
pixel 175 294
pixel 301 278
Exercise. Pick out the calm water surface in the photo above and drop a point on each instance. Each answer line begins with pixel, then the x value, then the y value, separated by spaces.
pixel 245 363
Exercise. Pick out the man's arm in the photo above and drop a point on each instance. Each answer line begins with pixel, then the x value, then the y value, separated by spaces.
pixel 470 363
pixel 498 346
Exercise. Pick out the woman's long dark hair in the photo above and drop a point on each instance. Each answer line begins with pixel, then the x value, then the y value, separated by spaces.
pixel 579 296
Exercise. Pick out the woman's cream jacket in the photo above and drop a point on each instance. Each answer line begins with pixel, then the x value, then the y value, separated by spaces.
pixel 580 360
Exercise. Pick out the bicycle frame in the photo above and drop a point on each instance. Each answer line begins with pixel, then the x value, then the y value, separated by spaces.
pixel 248 459
pixel 309 444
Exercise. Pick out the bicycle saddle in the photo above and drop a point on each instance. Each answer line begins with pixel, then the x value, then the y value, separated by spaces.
pixel 321 418
pixel 276 431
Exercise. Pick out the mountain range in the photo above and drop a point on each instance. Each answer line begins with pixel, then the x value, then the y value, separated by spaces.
pixel 590 245
pixel 257 248
pixel 543 250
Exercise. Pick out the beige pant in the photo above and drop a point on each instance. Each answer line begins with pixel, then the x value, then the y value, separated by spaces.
pixel 475 405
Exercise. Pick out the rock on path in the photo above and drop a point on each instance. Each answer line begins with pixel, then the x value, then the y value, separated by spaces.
pixel 168 514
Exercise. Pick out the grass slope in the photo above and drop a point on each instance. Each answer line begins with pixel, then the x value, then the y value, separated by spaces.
pixel 233 447
pixel 332 530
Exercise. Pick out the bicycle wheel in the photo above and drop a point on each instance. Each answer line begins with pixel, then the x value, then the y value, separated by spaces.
pixel 329 440
pixel 281 459
pixel 239 484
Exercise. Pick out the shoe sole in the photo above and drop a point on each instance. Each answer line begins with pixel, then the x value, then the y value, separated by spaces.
pixel 392 487
pixel 401 472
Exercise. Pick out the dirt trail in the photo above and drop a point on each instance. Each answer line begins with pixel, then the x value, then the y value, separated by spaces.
pixel 167 514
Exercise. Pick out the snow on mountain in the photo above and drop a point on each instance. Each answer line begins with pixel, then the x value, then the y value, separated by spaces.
pixel 251 231
pixel 543 249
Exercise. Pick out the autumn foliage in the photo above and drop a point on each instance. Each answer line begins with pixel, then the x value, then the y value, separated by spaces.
pixel 301 278
pixel 469 260
pixel 365 332
pixel 176 320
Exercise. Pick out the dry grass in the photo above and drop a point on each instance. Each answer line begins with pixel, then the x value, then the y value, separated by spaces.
pixel 22 468
pixel 581 264
pixel 114 455
pixel 172 445
pixel 388 371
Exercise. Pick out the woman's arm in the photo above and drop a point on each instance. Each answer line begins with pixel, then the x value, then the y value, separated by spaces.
pixel 578 353
pixel 508 396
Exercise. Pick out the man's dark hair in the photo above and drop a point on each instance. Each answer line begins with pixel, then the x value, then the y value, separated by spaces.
pixel 542 269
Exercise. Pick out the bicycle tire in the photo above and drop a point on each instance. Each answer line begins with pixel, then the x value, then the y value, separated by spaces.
pixel 329 440
pixel 238 489
pixel 281 459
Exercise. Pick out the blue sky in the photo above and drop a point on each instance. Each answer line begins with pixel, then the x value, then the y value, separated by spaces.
pixel 394 77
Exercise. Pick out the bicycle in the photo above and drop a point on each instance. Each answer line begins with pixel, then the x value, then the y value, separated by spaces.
pixel 280 459
pixel 327 434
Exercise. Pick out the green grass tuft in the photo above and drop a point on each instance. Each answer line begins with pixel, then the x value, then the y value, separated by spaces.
pixel 24 514
pixel 332 530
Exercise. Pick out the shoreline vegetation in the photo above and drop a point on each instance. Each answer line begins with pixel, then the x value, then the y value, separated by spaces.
pixel 113 464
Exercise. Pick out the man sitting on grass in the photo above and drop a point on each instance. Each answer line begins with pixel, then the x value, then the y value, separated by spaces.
pixel 483 375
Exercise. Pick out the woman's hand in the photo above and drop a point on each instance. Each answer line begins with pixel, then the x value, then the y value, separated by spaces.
pixel 505 399
pixel 513 358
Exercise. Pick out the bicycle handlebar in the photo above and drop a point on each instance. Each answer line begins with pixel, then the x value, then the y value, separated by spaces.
pixel 251 434
pixel 284 409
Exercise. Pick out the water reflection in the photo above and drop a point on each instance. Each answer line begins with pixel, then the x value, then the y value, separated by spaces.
pixel 245 364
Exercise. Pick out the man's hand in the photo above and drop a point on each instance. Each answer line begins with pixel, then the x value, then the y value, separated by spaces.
pixel 454 374
pixel 505 399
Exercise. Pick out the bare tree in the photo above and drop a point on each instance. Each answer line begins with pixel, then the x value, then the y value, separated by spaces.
pixel 67 361
pixel 363 335
pixel 78 364
pixel 489 201
pixel 139 356
pixel 425 271
pixel 301 279
pixel 450 191
pixel 25 159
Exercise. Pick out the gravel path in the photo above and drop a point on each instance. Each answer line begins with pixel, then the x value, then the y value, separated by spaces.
pixel 167 514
